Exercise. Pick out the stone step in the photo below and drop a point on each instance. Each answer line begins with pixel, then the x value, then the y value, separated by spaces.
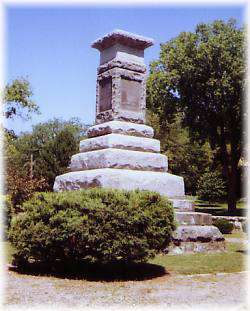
pixel 188 233
pixel 118 158
pixel 164 183
pixel 121 127
pixel 120 141
pixel 193 218
pixel 196 247
pixel 182 204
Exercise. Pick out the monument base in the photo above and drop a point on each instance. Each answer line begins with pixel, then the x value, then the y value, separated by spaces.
pixel 195 234
pixel 196 247
pixel 164 183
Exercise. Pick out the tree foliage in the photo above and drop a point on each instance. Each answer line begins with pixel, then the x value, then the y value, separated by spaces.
pixel 17 99
pixel 186 158
pixel 48 148
pixel 18 184
pixel 201 73
pixel 211 187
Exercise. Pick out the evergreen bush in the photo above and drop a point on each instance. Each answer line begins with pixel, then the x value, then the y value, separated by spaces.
pixel 211 187
pixel 223 225
pixel 97 225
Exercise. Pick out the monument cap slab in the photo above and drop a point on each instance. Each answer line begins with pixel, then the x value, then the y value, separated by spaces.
pixel 122 37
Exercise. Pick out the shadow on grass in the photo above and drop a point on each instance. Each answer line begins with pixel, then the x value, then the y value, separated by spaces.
pixel 218 211
pixel 96 272
pixel 243 251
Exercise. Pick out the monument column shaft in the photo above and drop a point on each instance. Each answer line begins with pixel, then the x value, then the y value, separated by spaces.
pixel 121 78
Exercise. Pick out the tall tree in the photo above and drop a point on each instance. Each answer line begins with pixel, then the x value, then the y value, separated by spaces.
pixel 202 74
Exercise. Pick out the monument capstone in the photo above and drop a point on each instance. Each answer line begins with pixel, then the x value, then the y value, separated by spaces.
pixel 120 151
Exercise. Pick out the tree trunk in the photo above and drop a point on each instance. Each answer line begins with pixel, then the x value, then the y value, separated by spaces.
pixel 232 189
pixel 230 164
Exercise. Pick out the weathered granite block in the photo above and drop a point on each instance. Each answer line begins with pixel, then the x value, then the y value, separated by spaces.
pixel 182 204
pixel 164 183
pixel 187 233
pixel 196 247
pixel 120 127
pixel 120 142
pixel 193 218
pixel 118 158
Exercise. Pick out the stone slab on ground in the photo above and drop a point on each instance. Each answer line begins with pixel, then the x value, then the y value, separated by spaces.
pixel 119 158
pixel 119 127
pixel 193 218
pixel 120 141
pixel 189 233
pixel 164 183
pixel 196 247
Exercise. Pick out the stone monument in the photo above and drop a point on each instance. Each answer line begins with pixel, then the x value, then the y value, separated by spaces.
pixel 120 151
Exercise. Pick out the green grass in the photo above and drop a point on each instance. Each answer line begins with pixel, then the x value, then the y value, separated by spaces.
pixel 234 260
pixel 236 234
pixel 219 209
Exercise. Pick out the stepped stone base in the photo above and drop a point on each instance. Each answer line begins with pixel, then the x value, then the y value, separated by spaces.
pixel 193 218
pixel 164 183
pixel 182 204
pixel 120 127
pixel 196 247
pixel 120 141
pixel 196 238
pixel 118 158
pixel 196 233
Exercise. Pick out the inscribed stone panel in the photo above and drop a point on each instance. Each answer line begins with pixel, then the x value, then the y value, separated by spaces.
pixel 130 92
pixel 105 94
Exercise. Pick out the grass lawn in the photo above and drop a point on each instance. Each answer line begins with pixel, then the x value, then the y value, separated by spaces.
pixel 236 234
pixel 234 260
pixel 219 209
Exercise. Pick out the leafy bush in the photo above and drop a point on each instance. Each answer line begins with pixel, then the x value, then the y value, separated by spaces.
pixel 211 187
pixel 98 225
pixel 223 225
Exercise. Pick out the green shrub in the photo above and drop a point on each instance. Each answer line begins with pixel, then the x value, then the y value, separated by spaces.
pixel 98 225
pixel 211 187
pixel 223 225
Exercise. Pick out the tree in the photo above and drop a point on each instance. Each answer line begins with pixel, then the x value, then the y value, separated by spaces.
pixel 202 75
pixel 211 187
pixel 49 148
pixel 19 185
pixel 186 158
pixel 17 99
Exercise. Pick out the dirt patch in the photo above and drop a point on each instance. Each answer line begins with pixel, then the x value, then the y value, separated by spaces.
pixel 169 290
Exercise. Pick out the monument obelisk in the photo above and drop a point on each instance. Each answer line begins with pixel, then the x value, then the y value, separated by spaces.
pixel 120 151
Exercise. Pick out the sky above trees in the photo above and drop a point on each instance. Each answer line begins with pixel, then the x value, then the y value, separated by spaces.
pixel 51 48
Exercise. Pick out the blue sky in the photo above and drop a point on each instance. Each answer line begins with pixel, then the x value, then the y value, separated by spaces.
pixel 51 47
